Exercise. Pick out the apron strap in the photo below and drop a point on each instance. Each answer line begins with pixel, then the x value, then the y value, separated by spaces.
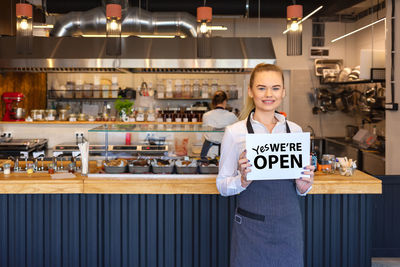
pixel 250 129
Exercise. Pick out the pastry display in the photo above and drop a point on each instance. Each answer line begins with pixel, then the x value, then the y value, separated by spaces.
pixel 115 166
pixel 162 166
pixel 139 166
pixel 186 166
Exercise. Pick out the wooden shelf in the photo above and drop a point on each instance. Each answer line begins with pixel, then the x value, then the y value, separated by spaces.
pixel 41 183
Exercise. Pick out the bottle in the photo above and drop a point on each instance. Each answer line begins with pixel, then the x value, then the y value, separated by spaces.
pixel 374 130
pixel 314 157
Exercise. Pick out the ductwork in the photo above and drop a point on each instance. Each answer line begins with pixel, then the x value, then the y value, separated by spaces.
pixel 135 22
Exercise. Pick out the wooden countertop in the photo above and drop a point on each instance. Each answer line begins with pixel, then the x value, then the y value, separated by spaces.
pixel 42 183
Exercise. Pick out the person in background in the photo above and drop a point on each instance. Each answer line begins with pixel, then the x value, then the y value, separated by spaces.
pixel 217 118
pixel 267 227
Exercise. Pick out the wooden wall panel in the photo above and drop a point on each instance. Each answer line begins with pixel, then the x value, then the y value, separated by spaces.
pixel 7 17
pixel 32 85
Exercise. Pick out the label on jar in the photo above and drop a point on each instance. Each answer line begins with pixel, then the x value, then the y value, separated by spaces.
pixel 194 119
pixel 178 120
pixel 185 120
pixel 72 119
pixel 140 117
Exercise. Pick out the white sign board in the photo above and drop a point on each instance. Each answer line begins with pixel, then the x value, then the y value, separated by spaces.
pixel 277 156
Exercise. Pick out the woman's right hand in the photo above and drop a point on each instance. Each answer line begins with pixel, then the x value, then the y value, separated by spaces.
pixel 244 169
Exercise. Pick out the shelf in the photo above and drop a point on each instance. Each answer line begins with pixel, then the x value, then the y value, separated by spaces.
pixel 98 122
pixel 155 127
pixel 355 82
pixel 182 98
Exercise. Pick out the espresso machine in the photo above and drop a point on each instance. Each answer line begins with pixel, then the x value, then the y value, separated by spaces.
pixel 13 112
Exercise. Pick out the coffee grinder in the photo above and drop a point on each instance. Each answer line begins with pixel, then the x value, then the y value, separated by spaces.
pixel 12 100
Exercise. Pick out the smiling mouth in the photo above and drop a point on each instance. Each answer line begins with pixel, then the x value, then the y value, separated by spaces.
pixel 269 102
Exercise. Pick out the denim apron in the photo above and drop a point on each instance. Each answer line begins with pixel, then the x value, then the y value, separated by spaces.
pixel 267 228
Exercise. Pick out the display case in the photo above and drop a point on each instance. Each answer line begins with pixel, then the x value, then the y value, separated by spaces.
pixel 152 148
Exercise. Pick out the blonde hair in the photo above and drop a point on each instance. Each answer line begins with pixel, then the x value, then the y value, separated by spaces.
pixel 249 104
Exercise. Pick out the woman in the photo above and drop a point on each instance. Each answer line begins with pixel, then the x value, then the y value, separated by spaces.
pixel 267 229
pixel 218 118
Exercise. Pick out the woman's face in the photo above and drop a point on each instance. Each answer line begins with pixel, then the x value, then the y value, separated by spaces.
pixel 267 91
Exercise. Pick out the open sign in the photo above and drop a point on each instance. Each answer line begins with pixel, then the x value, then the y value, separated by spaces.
pixel 277 156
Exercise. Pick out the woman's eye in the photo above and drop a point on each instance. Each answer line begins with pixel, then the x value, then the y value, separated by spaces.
pixel 261 88
pixel 276 88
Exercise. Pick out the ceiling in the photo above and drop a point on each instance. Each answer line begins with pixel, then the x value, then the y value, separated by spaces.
pixel 268 9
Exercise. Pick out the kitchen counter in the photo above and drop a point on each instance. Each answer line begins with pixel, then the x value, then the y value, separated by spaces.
pixel 42 183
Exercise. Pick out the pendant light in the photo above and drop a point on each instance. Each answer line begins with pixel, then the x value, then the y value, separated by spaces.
pixel 113 29
pixel 24 28
pixel 294 30
pixel 204 16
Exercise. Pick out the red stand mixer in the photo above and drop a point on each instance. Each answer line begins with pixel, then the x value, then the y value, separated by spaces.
pixel 13 112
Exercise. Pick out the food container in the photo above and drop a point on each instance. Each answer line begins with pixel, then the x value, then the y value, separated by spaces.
pixel 186 166
pixel 51 114
pixel 63 115
pixel 115 166
pixel 210 169
pixel 82 117
pixel 161 166
pixel 72 117
pixel 7 168
pixel 87 90
pixel 69 92
pixel 139 166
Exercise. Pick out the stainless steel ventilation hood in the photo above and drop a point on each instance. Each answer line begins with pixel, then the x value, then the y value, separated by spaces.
pixel 79 54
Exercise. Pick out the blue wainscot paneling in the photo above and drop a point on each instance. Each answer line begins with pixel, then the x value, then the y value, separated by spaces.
pixel 165 230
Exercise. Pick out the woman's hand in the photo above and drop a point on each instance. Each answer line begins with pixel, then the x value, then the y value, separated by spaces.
pixel 303 183
pixel 244 169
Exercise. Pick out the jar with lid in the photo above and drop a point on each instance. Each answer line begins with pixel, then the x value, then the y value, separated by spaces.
pixel 79 89
pixel 160 89
pixel 72 117
pixel 29 168
pixel 150 115
pixel 87 90
pixel 193 117
pixel 82 117
pixel 70 87
pixel 187 92
pixel 140 114
pixel 105 90
pixel 196 89
pixel 7 168
pixel 96 87
pixel 40 114
pixel 34 113
pixel 160 116
pixel 178 117
pixel 51 114
pixel 114 87
pixel 63 114
pixel 214 86
pixel 168 89
pixel 204 89
pixel 178 88
pixel 50 168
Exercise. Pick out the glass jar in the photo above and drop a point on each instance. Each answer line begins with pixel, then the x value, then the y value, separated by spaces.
pixel 114 87
pixel 168 89
pixel 150 115
pixel 196 89
pixel 91 118
pixel 7 168
pixel 204 89
pixel 79 89
pixel 72 117
pixel 87 90
pixel 40 115
pixel 214 87
pixel 96 91
pixel 105 90
pixel 70 87
pixel 63 114
pixel 187 91
pixel 51 114
pixel 34 113
pixel 328 163
pixel 50 168
pixel 178 88
pixel 140 115
pixel 29 168
pixel 160 89
pixel 82 117
pixel 71 167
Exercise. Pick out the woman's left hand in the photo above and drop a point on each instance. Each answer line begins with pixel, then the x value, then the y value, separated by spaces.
pixel 303 183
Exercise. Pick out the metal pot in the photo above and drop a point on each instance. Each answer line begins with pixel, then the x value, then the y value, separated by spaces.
pixel 19 113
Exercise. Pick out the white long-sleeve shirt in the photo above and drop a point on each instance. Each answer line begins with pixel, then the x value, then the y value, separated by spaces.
pixel 217 118
pixel 234 143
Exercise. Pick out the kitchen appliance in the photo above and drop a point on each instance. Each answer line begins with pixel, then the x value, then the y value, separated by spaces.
pixel 14 147
pixel 12 101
